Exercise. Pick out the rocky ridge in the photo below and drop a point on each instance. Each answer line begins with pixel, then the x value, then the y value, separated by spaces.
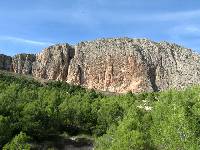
pixel 22 63
pixel 114 65
pixel 5 62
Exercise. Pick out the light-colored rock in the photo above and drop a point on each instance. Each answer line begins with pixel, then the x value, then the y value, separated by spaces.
pixel 53 62
pixel 116 65
pixel 22 63
pixel 109 65
pixel 124 64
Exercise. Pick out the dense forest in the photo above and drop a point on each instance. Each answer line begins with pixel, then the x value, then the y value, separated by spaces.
pixel 34 111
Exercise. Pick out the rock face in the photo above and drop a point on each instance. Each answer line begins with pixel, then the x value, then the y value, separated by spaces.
pixel 53 62
pixel 115 65
pixel 5 62
pixel 123 64
pixel 22 63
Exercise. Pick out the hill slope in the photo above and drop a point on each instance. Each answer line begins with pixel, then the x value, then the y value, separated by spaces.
pixel 34 115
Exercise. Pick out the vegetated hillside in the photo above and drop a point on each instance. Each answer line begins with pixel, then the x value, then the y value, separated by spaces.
pixel 114 64
pixel 31 111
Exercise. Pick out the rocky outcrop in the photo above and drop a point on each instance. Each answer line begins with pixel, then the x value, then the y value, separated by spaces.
pixel 5 62
pixel 53 62
pixel 123 64
pixel 109 65
pixel 22 63
pixel 115 65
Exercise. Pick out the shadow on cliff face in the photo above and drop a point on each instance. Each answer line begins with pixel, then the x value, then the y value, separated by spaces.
pixel 80 73
pixel 152 77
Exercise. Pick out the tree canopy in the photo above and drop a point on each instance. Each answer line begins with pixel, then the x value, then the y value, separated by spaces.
pixel 32 111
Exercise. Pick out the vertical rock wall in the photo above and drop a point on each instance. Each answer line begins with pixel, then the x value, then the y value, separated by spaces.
pixel 5 62
pixel 22 63
pixel 115 65
pixel 53 62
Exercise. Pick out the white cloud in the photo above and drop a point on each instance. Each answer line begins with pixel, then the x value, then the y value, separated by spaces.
pixel 191 29
pixel 185 30
pixel 189 35
pixel 25 41
pixel 179 15
pixel 131 16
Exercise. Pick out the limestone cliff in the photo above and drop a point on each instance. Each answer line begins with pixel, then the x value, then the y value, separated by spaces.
pixel 53 62
pixel 5 62
pixel 115 65
pixel 22 63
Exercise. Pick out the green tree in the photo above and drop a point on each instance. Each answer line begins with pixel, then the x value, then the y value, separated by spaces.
pixel 108 112
pixel 5 130
pixel 127 135
pixel 19 142
pixel 171 129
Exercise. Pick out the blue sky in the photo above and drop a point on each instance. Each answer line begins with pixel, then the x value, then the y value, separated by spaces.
pixel 28 26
